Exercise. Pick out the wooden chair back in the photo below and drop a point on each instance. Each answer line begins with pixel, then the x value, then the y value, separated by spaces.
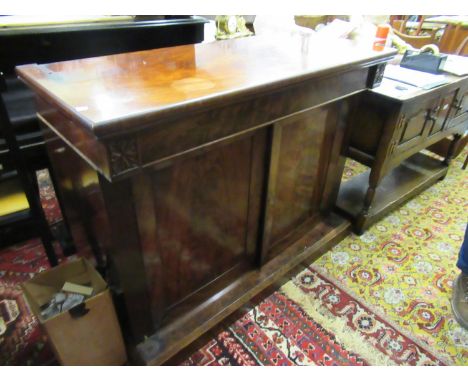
pixel 416 41
pixel 461 48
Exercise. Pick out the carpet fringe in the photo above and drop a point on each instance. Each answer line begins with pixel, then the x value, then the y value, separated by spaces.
pixel 351 340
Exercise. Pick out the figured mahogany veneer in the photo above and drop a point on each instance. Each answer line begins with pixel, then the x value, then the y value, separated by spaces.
pixel 204 172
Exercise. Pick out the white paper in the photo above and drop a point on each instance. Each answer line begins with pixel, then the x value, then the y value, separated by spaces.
pixel 417 78
pixel 457 65
pixel 396 89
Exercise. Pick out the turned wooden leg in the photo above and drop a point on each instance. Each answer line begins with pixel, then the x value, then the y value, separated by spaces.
pixel 367 204
pixel 368 200
pixel 451 149
pixel 465 163
pixel 364 214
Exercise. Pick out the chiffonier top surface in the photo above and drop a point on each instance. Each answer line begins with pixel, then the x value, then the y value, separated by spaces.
pixel 146 86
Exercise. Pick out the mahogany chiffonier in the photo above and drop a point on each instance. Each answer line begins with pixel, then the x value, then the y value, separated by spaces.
pixel 387 134
pixel 209 171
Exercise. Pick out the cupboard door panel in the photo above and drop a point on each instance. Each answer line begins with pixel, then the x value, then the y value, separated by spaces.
pixel 414 125
pixel 441 113
pixel 201 208
pixel 459 110
pixel 301 139
pixel 418 120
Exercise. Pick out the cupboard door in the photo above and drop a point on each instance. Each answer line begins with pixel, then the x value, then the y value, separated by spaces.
pixel 415 120
pixel 439 116
pixel 461 102
pixel 415 123
pixel 297 175
pixel 459 110
pixel 298 167
pixel 198 219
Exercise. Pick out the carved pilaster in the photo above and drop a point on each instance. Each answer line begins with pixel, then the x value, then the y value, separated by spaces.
pixel 123 155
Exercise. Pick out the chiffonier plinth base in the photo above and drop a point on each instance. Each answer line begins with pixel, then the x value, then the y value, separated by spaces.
pixel 306 246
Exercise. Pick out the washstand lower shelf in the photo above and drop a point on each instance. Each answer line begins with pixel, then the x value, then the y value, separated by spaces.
pixel 411 177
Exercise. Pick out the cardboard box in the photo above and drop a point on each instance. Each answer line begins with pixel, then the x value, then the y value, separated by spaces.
pixel 87 335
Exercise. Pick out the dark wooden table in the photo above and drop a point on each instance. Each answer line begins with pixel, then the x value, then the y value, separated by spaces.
pixel 209 170
pixel 387 133
pixel 44 43
pixel 49 43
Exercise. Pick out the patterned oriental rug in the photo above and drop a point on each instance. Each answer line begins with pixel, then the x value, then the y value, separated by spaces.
pixel 22 342
pixel 382 298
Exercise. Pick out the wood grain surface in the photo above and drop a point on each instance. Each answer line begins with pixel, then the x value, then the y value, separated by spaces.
pixel 105 92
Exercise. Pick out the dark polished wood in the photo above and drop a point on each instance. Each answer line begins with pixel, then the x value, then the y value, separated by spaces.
pixel 202 212
pixel 169 339
pixel 297 171
pixel 39 44
pixel 441 147
pixel 50 43
pixel 216 167
pixel 126 92
pixel 77 185
pixel 17 225
pixel 389 129
pixel 401 184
